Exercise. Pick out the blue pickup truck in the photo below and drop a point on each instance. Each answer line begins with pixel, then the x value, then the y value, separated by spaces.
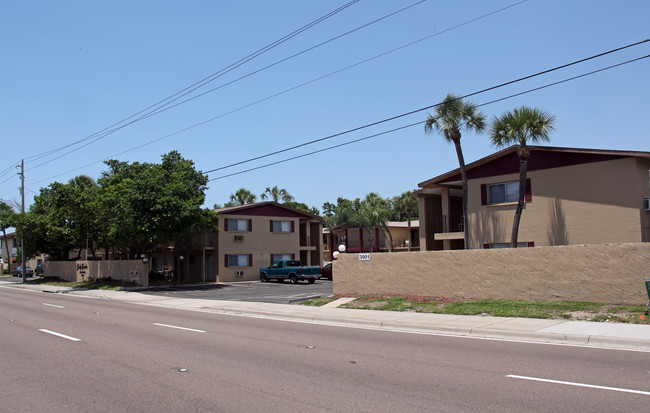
pixel 291 270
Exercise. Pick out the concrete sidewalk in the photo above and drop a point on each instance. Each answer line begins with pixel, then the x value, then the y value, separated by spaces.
pixel 610 335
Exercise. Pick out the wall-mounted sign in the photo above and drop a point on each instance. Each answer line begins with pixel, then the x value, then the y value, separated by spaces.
pixel 364 257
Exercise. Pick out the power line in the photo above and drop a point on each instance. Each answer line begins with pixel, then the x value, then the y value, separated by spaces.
pixel 292 88
pixel 203 81
pixel 350 130
pixel 426 107
pixel 421 122
pixel 165 107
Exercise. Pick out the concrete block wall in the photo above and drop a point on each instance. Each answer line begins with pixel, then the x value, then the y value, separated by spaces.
pixel 606 273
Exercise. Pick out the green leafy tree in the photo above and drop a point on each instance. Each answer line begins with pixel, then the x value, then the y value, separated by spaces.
pixel 521 126
pixel 144 204
pixel 451 116
pixel 302 206
pixel 6 215
pixel 276 194
pixel 61 219
pixel 405 203
pixel 376 211
pixel 243 196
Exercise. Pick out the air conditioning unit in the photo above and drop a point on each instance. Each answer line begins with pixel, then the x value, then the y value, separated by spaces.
pixel 239 273
pixel 239 237
pixel 646 204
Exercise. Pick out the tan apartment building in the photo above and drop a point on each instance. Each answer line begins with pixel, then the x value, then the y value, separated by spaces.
pixel 254 235
pixel 573 196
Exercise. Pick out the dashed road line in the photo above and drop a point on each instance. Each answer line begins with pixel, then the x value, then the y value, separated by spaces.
pixel 180 328
pixel 53 305
pixel 570 383
pixel 59 335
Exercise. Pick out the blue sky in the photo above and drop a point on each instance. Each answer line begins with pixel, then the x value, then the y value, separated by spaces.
pixel 72 68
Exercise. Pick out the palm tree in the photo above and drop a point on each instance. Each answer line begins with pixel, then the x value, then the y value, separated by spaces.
pixel 452 115
pixel 410 202
pixel 521 126
pixel 243 196
pixel 277 194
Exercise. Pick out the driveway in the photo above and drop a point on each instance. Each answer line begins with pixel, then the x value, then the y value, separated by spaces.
pixel 255 291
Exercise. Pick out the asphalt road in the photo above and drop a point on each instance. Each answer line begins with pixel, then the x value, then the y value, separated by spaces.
pixel 71 354
pixel 268 292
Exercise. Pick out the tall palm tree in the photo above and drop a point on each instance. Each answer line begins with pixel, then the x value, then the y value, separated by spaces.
pixel 452 115
pixel 243 196
pixel 521 126
pixel 410 202
pixel 276 194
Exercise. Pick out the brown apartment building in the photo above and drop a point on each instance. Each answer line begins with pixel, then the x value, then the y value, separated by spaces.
pixel 573 196
pixel 254 235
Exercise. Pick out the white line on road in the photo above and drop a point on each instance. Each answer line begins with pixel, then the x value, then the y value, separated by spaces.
pixel 180 328
pixel 53 305
pixel 60 335
pixel 570 383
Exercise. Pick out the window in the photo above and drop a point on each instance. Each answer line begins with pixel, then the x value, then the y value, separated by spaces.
pixel 505 192
pixel 238 260
pixel 280 257
pixel 281 226
pixel 497 245
pixel 238 225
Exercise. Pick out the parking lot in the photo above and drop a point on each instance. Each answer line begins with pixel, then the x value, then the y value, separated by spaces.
pixel 256 291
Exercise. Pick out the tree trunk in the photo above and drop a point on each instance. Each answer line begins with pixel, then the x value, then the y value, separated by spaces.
pixel 384 230
pixel 4 233
pixel 523 168
pixel 410 240
pixel 463 176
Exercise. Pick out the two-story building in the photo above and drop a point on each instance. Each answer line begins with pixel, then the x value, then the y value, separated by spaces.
pixel 573 196
pixel 254 235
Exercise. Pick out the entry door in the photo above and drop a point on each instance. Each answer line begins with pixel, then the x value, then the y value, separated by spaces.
pixel 209 268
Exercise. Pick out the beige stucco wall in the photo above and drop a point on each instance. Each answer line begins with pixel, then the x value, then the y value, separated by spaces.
pixel 607 273
pixel 76 271
pixel 593 203
pixel 261 243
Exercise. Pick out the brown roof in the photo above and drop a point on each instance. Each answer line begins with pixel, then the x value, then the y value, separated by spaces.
pixel 542 157
pixel 267 208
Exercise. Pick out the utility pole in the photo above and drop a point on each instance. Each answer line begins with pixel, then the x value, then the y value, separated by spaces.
pixel 22 238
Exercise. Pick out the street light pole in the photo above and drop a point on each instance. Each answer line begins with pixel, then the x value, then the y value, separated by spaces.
pixel 22 238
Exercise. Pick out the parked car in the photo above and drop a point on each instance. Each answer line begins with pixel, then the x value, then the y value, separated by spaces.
pixel 39 270
pixel 18 271
pixel 326 271
pixel 291 270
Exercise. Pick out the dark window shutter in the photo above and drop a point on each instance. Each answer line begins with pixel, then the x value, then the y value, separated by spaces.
pixel 271 257
pixel 225 224
pixel 293 226
pixel 484 199
pixel 486 246
pixel 530 244
pixel 250 225
pixel 293 256
pixel 271 226
pixel 529 194
pixel 225 261
pixel 250 260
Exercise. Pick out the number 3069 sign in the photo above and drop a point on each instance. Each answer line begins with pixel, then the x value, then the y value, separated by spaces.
pixel 364 257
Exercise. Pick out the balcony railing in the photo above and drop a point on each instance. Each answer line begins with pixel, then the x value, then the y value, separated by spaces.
pixel 450 223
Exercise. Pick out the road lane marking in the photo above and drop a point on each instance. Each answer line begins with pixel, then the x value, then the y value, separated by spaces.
pixel 53 305
pixel 180 328
pixel 60 335
pixel 570 383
